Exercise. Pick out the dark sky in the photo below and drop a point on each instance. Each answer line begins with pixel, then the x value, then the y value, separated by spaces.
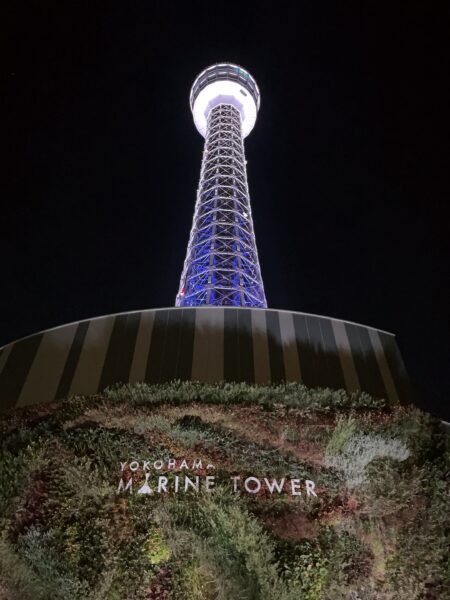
pixel 348 163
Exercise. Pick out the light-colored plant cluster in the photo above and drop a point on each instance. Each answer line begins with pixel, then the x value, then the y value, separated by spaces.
pixel 359 450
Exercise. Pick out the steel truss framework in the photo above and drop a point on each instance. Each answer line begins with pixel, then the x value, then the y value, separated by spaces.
pixel 221 266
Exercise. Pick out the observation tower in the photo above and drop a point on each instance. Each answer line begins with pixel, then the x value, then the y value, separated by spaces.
pixel 220 329
pixel 221 266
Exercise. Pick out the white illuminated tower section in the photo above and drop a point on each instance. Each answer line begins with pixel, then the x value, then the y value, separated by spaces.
pixel 221 266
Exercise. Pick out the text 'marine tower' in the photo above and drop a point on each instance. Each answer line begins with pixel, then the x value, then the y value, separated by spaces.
pixel 221 266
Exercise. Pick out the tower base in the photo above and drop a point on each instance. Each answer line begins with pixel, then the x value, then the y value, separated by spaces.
pixel 208 344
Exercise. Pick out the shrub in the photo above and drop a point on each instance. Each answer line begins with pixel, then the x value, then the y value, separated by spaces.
pixel 239 554
pixel 40 551
pixel 358 451
pixel 292 395
pixel 422 433
pixel 345 428
pixel 18 577
pixel 158 550
pixel 421 562
pixel 389 488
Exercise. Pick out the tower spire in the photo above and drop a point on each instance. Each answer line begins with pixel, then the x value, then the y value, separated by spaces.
pixel 221 266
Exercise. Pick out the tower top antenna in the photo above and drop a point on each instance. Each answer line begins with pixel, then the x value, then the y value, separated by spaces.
pixel 225 83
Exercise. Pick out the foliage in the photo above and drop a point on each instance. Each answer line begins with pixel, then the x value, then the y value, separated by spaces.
pixel 17 578
pixel 345 428
pixel 293 395
pixel 290 434
pixel 158 550
pixel 304 565
pixel 422 433
pixel 40 550
pixel 357 450
pixel 191 431
pixel 378 528
pixel 421 563
pixel 390 487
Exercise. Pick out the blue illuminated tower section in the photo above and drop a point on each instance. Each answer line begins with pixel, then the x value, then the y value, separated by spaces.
pixel 221 266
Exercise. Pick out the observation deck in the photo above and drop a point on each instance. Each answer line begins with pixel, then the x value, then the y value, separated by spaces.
pixel 225 83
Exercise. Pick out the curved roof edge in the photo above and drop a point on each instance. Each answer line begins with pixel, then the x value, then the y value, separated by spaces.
pixel 126 312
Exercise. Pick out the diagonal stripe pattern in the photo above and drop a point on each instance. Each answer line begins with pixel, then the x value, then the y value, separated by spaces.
pixel 210 344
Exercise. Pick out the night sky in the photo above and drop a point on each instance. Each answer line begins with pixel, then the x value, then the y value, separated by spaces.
pixel 348 164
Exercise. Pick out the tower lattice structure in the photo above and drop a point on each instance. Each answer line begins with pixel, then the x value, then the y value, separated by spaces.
pixel 221 266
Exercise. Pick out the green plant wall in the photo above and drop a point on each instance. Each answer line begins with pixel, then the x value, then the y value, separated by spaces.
pixel 375 525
